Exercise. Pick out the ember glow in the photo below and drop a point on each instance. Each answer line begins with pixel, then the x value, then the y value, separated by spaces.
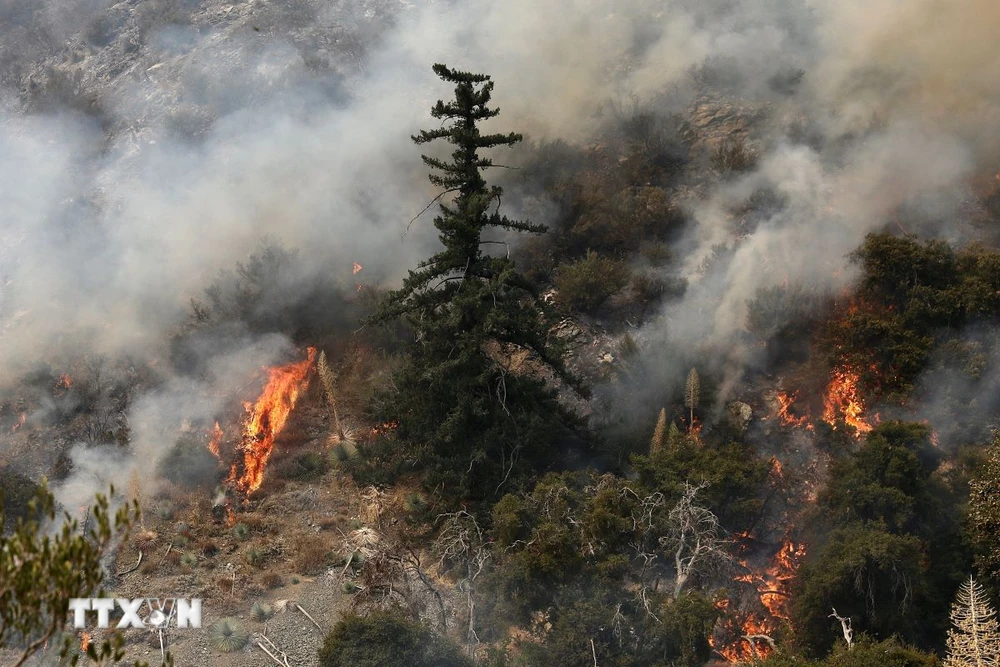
pixel 266 418
pixel 84 641
pixel 357 268
pixel 215 439
pixel 785 417
pixel 750 633
pixel 843 401
pixel 23 417
pixel 65 382
pixel 382 429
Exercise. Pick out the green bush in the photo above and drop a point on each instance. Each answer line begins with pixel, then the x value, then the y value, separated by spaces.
pixel 386 639
pixel 588 282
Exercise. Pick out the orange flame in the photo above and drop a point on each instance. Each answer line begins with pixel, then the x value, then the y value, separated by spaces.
pixel 266 418
pixel 384 427
pixel 843 400
pixel 773 585
pixel 357 268
pixel 65 381
pixel 216 439
pixel 84 641
pixel 784 416
pixel 21 419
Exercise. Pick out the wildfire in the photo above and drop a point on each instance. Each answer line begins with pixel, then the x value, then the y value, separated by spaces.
pixel 266 418
pixel 65 382
pixel 843 400
pixel 773 584
pixel 784 415
pixel 21 419
pixel 383 428
pixel 84 641
pixel 357 268
pixel 215 440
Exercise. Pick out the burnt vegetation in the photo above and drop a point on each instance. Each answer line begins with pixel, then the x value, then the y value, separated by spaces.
pixel 507 463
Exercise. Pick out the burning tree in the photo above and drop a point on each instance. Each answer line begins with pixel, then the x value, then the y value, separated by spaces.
pixel 458 393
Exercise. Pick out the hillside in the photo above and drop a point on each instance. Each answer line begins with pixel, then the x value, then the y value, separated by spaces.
pixel 686 353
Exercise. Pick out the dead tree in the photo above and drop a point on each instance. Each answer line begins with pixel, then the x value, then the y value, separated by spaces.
pixel 693 538
pixel 461 543
pixel 845 625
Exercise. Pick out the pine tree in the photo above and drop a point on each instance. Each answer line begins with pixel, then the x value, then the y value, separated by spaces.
pixel 692 391
pixel 656 444
pixel 469 311
pixel 975 639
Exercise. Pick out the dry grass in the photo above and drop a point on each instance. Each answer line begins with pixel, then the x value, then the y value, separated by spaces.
pixel 311 554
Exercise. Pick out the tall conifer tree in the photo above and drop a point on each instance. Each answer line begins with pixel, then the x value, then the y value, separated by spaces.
pixel 458 396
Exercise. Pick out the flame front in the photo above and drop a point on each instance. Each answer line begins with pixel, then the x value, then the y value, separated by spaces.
pixel 773 584
pixel 65 381
pixel 215 440
pixel 784 416
pixel 843 400
pixel 84 641
pixel 266 418
pixel 357 268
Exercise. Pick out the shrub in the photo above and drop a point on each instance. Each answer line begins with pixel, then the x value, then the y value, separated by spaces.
pixel 188 559
pixel 208 548
pixel 272 580
pixel 227 635
pixel 385 639
pixel 17 490
pixel 588 282
pixel 260 612
pixel 311 555
pixel 733 156
pixel 241 531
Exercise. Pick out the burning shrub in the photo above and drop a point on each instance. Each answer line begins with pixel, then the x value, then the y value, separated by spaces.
pixel 588 282
pixel 227 635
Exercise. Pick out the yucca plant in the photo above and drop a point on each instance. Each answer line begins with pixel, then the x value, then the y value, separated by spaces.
pixel 228 635
pixel 260 612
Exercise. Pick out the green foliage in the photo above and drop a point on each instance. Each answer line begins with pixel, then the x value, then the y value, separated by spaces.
pixel 913 296
pixel 260 612
pixel 886 479
pixel 733 472
pixel 886 653
pixel 16 493
pixel 386 639
pixel 873 576
pixel 227 635
pixel 241 531
pixel 984 512
pixel 461 411
pixel 41 571
pixel 588 282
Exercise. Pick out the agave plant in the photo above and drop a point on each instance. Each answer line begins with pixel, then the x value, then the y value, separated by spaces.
pixel 228 635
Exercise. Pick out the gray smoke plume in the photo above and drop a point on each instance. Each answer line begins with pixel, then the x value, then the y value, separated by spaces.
pixel 144 147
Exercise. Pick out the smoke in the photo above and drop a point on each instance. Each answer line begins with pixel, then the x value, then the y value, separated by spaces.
pixel 143 149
